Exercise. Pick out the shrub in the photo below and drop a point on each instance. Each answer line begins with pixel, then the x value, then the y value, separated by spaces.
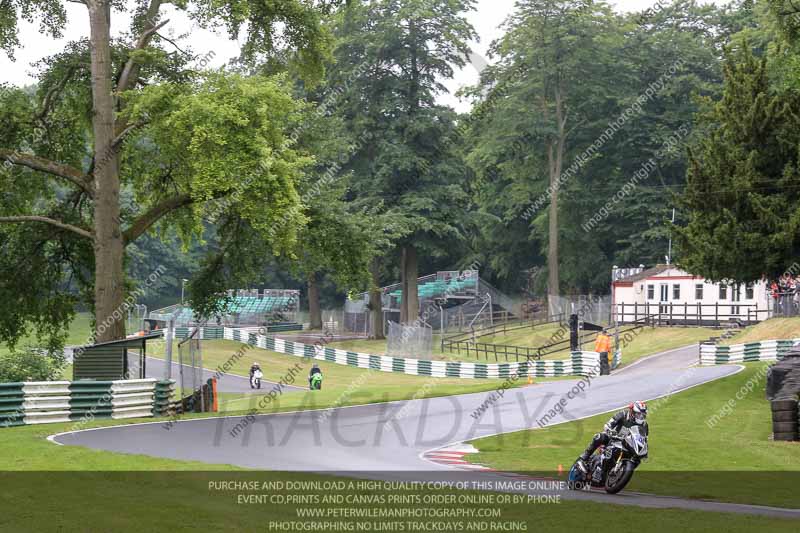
pixel 31 364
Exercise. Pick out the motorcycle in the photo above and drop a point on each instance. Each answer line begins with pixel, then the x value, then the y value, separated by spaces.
pixel 315 381
pixel 255 381
pixel 611 467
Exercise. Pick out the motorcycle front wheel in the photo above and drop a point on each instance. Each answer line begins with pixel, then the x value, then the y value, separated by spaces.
pixel 618 478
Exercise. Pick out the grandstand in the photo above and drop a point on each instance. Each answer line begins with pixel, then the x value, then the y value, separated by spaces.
pixel 449 299
pixel 276 308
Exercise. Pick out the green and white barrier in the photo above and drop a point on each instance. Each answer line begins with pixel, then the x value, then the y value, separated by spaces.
pixel 579 363
pixel 164 392
pixel 206 333
pixel 43 402
pixel 711 354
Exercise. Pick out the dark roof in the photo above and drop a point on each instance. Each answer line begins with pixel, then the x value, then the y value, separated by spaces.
pixel 129 342
pixel 644 274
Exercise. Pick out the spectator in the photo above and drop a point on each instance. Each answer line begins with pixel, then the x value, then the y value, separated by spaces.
pixel 796 295
pixel 602 345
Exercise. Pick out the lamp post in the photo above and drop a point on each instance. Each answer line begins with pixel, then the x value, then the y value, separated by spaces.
pixel 183 285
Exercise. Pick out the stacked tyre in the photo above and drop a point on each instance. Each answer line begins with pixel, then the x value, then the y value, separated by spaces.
pixel 784 420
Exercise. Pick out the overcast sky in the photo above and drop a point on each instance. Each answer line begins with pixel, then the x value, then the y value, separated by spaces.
pixel 487 19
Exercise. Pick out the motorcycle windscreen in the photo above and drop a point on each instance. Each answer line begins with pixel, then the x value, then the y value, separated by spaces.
pixel 637 441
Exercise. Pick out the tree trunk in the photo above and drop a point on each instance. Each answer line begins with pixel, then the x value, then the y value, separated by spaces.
pixel 376 312
pixel 403 288
pixel 555 158
pixel 411 297
pixel 314 309
pixel 108 245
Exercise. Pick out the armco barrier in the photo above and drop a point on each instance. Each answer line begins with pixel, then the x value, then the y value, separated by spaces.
pixel 44 402
pixel 164 392
pixel 711 354
pixel 579 363
pixel 207 332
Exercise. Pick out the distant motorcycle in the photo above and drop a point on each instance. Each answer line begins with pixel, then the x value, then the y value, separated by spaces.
pixel 255 381
pixel 316 381
pixel 611 467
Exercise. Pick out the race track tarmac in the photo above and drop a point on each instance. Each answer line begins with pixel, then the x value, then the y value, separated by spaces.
pixel 156 368
pixel 387 440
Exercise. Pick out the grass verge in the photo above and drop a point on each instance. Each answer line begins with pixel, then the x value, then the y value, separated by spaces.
pixel 195 501
pixel 343 385
pixel 701 446
pixel 772 329
pixel 635 345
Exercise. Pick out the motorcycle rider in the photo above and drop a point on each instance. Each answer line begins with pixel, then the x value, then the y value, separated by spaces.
pixel 314 370
pixel 634 415
pixel 255 366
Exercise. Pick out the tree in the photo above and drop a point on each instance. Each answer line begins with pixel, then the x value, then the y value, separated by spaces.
pixel 391 58
pixel 787 14
pixel 145 102
pixel 639 77
pixel 743 184
pixel 335 241
pixel 669 57
pixel 549 85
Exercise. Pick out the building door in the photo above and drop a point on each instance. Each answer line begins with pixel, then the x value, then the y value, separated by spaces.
pixel 736 296
pixel 663 308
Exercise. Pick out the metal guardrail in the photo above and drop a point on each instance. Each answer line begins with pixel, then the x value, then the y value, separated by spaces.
pixel 497 351
pixel 686 313
pixel 503 327
pixel 498 298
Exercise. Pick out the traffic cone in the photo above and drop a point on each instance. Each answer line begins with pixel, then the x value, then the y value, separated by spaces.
pixel 530 379
pixel 560 469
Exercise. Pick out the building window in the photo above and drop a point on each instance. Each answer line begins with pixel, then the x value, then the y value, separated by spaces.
pixel 676 292
pixel 723 292
pixel 698 291
pixel 651 292
pixel 748 291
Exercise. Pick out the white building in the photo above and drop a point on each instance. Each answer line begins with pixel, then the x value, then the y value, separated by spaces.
pixel 667 293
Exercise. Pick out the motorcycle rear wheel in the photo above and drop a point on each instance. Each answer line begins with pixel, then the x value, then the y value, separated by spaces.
pixel 614 484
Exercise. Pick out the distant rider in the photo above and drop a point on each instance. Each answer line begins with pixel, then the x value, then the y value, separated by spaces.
pixel 314 370
pixel 634 415
pixel 253 368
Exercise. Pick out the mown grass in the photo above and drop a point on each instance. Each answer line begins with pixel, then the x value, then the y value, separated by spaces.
pixel 648 341
pixel 55 489
pixel 772 329
pixel 635 345
pixel 343 385
pixel 193 501
pixel 687 457
pixel 78 334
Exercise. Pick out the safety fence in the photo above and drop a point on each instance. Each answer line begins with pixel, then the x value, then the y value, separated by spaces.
pixel 218 332
pixel 206 333
pixel 42 402
pixel 711 354
pixel 578 363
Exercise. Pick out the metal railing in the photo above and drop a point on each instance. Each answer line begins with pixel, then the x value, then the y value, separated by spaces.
pixel 466 342
pixel 503 327
pixel 498 351
pixel 498 298
pixel 785 304
pixel 690 314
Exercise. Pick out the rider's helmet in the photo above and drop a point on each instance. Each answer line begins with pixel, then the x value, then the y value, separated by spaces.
pixel 637 411
pixel 256 365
